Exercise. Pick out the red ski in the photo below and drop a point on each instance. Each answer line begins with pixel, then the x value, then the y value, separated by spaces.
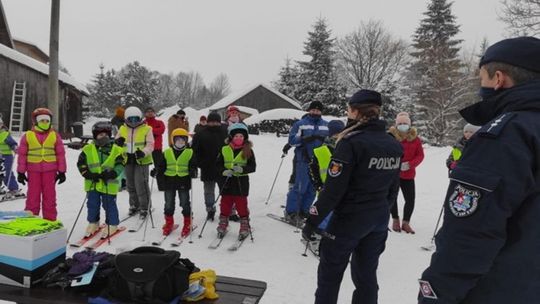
pixel 85 239
pixel 100 242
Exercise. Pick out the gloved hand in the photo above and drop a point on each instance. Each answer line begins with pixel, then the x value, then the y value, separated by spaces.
pixel 405 166
pixel 108 174
pixel 237 169
pixel 60 177
pixel 228 173
pixel 139 154
pixel 91 176
pixel 286 149
pixel 453 165
pixel 120 141
pixel 153 172
pixel 21 178
pixel 308 232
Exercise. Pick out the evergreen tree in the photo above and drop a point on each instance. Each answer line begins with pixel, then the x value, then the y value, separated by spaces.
pixel 436 75
pixel 139 85
pixel 317 79
pixel 287 79
pixel 104 93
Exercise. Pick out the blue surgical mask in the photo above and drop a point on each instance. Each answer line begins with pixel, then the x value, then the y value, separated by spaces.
pixel 486 93
pixel 403 128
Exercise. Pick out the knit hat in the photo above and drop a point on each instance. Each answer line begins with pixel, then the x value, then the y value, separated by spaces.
pixel 180 112
pixel 316 105
pixel 149 109
pixel 403 118
pixel 213 117
pixel 523 52
pixel 366 97
pixel 232 108
pixel 202 118
pixel 119 112
pixel 471 128
pixel 335 127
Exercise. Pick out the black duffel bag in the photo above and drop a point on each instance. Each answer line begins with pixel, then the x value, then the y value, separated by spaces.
pixel 149 275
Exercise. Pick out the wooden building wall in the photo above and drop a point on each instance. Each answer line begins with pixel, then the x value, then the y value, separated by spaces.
pixel 36 93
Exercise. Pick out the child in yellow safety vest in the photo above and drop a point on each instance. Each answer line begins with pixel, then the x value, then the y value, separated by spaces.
pixel 235 161
pixel 42 156
pixel 174 175
pixel 318 167
pixel 457 149
pixel 8 146
pixel 100 163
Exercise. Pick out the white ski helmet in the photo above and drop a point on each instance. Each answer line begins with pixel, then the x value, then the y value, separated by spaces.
pixel 133 116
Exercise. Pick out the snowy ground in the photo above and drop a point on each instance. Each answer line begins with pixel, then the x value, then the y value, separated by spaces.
pixel 275 255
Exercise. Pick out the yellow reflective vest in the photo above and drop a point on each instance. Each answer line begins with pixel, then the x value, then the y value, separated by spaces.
pixel 4 148
pixel 323 156
pixel 97 165
pixel 229 161
pixel 138 141
pixel 41 152
pixel 177 166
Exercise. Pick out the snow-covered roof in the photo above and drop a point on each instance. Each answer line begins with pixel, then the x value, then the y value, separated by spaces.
pixel 40 67
pixel 275 114
pixel 248 110
pixel 231 98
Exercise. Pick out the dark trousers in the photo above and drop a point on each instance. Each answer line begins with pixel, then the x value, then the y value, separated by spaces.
pixel 183 197
pixel 365 241
pixel 407 188
pixel 108 202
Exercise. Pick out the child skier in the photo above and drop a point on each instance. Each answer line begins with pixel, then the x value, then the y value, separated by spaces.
pixel 7 148
pixel 235 161
pixel 41 155
pixel 100 163
pixel 455 155
pixel 174 175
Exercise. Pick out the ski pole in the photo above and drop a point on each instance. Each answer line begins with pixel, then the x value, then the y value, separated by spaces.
pixel 149 210
pixel 191 214
pixel 275 178
pixel 215 202
pixel 79 214
pixel 437 225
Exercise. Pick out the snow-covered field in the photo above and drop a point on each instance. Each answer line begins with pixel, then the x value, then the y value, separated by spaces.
pixel 275 255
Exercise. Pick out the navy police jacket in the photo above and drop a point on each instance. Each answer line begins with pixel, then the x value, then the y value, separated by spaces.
pixel 488 249
pixel 363 173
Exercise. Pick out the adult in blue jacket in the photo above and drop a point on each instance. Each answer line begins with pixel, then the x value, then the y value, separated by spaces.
pixel 489 246
pixel 305 135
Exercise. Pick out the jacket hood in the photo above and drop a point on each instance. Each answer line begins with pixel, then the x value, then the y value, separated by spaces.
pixel 409 136
pixel 525 97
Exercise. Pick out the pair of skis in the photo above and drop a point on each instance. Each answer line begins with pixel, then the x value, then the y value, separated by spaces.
pixel 234 247
pixel 178 241
pixel 84 240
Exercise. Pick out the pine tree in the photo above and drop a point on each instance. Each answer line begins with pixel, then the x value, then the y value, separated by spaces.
pixel 287 79
pixel 104 93
pixel 436 76
pixel 139 85
pixel 317 79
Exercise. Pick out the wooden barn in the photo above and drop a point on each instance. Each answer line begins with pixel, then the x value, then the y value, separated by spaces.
pixel 24 76
pixel 259 98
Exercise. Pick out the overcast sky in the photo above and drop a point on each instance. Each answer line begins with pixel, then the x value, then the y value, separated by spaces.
pixel 246 39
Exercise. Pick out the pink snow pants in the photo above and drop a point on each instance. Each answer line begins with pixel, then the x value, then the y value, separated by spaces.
pixel 42 194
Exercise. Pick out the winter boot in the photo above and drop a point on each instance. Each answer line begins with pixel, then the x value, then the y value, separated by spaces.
pixel 133 210
pixel 407 228
pixel 211 213
pixel 108 230
pixel 222 226
pixel 168 226
pixel 187 226
pixel 395 225
pixel 244 228
pixel 16 193
pixel 91 229
pixel 143 214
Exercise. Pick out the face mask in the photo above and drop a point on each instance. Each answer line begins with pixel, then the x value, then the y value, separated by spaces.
pixel 403 128
pixel 44 125
pixel 234 119
pixel 237 141
pixel 179 144
pixel 486 93
pixel 103 141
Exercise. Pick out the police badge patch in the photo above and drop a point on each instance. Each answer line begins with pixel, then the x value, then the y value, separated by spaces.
pixel 463 202
pixel 335 168
pixel 426 290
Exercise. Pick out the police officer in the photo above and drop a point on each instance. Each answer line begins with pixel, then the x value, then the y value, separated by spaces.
pixel 362 179
pixel 488 250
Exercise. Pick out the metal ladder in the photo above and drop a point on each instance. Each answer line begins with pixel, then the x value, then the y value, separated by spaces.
pixel 18 101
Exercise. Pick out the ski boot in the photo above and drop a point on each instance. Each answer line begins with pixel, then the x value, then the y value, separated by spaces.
pixel 91 229
pixel 211 213
pixel 16 193
pixel 222 226
pixel 187 227
pixel 143 214
pixel 244 228
pixel 168 226
pixel 133 210
pixel 108 230
pixel 407 228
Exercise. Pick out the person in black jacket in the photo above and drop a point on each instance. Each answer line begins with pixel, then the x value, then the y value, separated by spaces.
pixel 235 162
pixel 206 146
pixel 362 181
pixel 488 247
pixel 174 172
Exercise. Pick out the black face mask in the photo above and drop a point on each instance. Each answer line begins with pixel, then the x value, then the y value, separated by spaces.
pixel 103 141
pixel 486 93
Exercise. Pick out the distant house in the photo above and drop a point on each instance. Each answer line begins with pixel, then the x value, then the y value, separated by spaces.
pixel 259 98
pixel 23 62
